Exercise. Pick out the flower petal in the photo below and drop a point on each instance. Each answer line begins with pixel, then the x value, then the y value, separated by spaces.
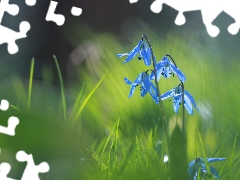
pixel 176 71
pixel 215 159
pixel 127 81
pixel 166 72
pixel 153 93
pixel 191 99
pixel 133 53
pixel 138 80
pixel 131 91
pixel 176 102
pixel 146 54
pixel 167 95
pixel 124 54
pixel 188 105
pixel 214 172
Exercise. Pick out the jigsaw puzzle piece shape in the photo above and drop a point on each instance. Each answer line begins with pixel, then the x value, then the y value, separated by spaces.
pixel 133 1
pixel 4 170
pixel 10 130
pixel 12 9
pixel 232 9
pixel 59 19
pixel 31 171
pixel 9 36
pixel 4 105
pixel 30 2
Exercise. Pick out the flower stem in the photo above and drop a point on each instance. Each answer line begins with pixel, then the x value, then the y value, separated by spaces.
pixel 164 119
pixel 183 110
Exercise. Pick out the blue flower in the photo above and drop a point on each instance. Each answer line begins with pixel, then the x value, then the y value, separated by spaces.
pixel 198 163
pixel 166 68
pixel 146 86
pixel 176 94
pixel 144 53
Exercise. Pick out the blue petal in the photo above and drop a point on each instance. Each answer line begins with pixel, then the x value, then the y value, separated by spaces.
pixel 153 93
pixel 124 54
pixel 167 94
pixel 133 53
pixel 165 61
pixel 176 71
pixel 127 81
pixel 145 52
pixel 191 99
pixel 214 172
pixel 131 91
pixel 194 166
pixel 146 84
pixel 166 72
pixel 159 69
pixel 215 159
pixel 176 106
pixel 188 105
pixel 138 80
pixel 177 100
pixel 143 92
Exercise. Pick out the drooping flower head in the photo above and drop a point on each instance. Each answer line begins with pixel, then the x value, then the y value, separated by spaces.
pixel 165 67
pixel 144 53
pixel 199 164
pixel 176 94
pixel 145 86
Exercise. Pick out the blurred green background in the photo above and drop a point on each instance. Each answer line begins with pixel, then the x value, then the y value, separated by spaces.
pixel 132 151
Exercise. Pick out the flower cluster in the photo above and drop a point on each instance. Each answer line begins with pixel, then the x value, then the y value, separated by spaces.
pixel 163 68
pixel 198 165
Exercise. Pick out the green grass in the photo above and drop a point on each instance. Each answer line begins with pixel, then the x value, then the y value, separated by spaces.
pixel 115 137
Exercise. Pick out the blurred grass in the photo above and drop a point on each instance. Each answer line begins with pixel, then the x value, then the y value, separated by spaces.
pixel 105 147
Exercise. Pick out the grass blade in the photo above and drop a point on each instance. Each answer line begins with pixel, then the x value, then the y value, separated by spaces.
pixel 30 84
pixel 203 152
pixel 62 89
pixel 232 155
pixel 107 141
pixel 221 142
pixel 73 114
pixel 87 99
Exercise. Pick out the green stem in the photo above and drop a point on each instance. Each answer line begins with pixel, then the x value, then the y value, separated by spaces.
pixel 183 109
pixel 164 119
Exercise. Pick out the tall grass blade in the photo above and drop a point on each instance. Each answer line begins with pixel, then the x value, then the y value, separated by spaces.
pixel 221 142
pixel 62 89
pixel 87 99
pixel 30 84
pixel 231 160
pixel 203 152
pixel 107 141
pixel 73 114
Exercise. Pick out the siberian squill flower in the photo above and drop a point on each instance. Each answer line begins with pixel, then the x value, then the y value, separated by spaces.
pixel 144 53
pixel 176 94
pixel 146 86
pixel 199 163
pixel 165 67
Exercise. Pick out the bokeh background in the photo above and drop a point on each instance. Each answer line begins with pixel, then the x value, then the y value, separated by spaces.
pixel 86 48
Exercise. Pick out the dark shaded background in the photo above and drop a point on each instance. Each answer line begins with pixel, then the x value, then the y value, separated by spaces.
pixel 46 39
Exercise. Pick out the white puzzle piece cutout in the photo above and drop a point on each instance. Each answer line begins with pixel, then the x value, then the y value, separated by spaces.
pixel 7 35
pixel 209 10
pixel 76 11
pixel 31 171
pixel 133 1
pixel 59 19
pixel 30 2
pixel 12 121
pixel 4 170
